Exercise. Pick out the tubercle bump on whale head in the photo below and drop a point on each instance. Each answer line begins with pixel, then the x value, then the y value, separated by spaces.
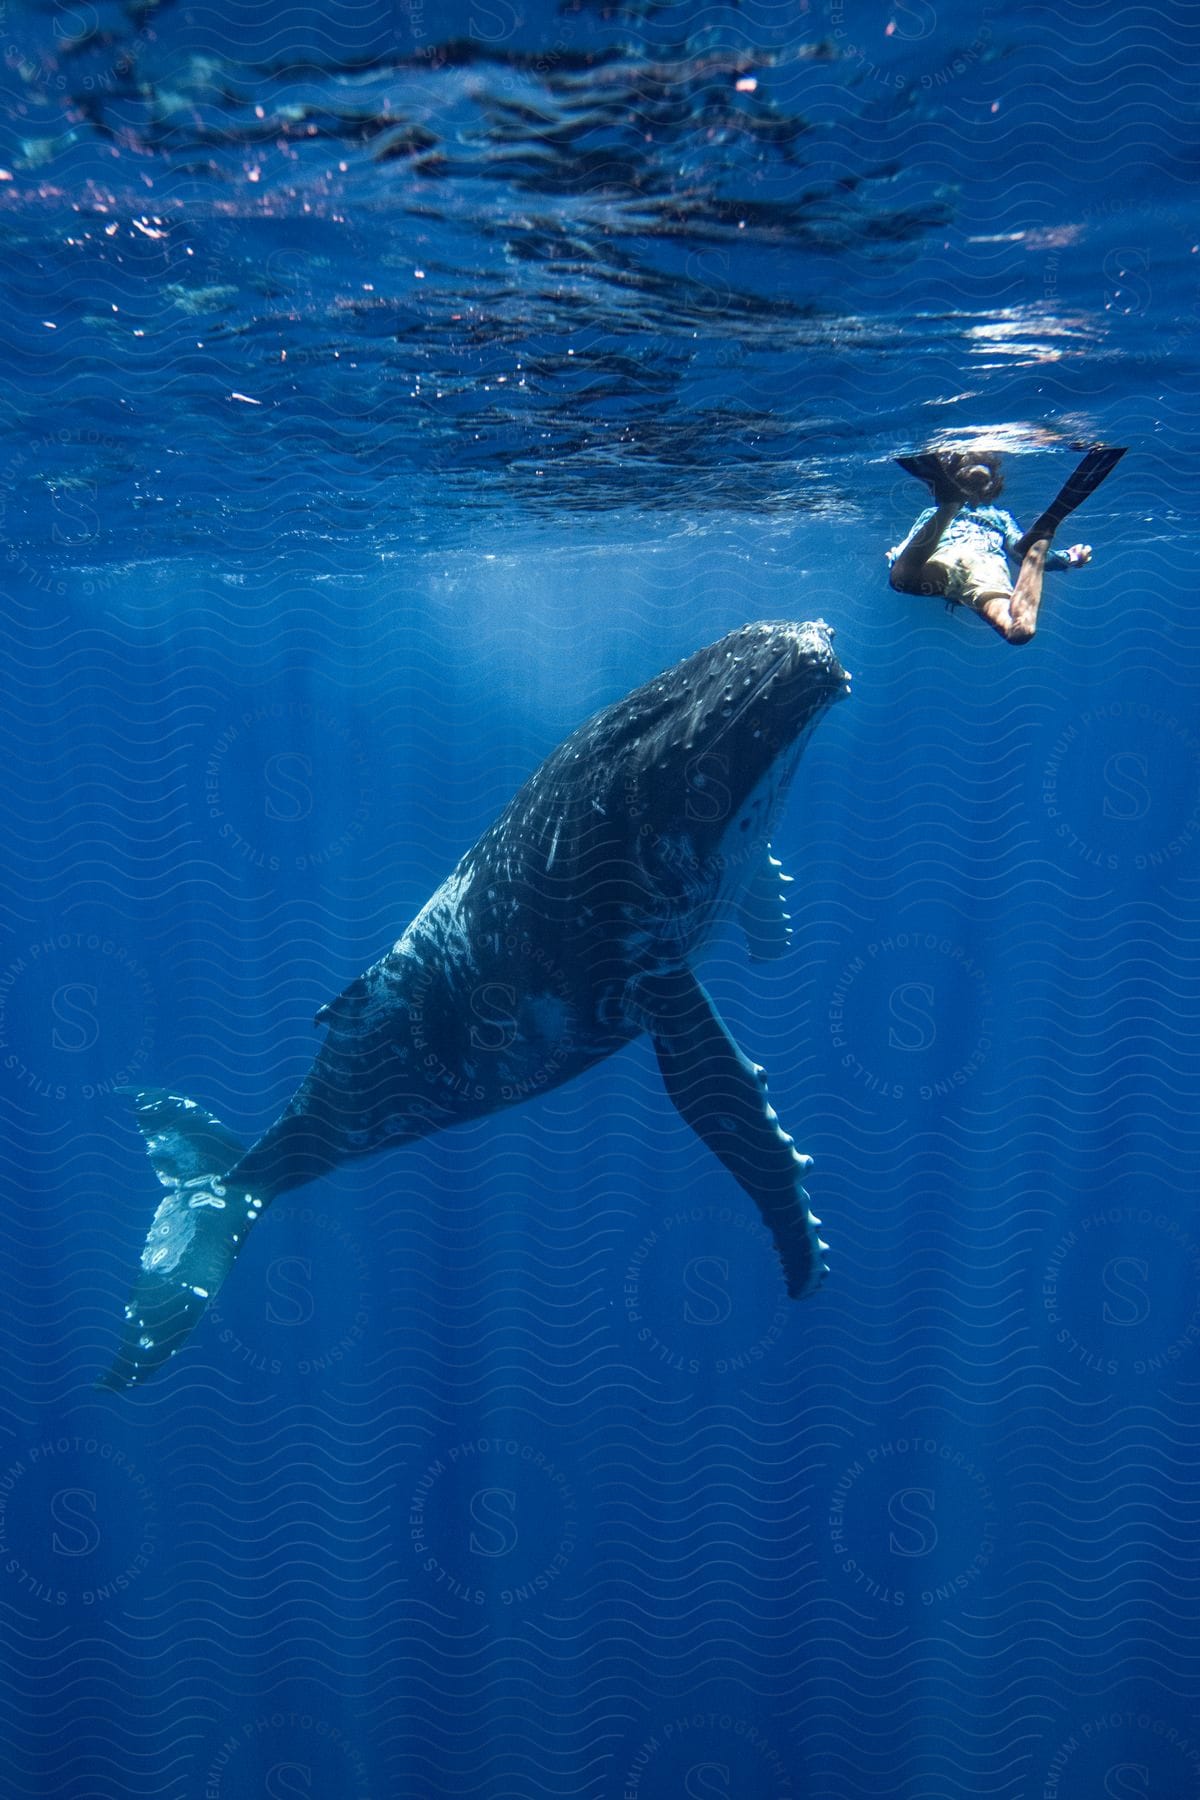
pixel 808 668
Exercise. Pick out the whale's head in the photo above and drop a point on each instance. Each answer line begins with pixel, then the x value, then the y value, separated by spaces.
pixel 758 691
pixel 712 744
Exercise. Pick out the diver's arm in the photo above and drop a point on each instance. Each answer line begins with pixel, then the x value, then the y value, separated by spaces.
pixel 909 558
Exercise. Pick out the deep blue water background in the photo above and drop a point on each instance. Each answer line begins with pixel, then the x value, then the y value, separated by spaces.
pixel 385 388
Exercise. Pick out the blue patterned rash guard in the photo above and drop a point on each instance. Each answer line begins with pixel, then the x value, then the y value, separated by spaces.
pixel 977 533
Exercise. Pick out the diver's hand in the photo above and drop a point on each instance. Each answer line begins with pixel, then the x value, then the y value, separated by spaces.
pixel 1079 554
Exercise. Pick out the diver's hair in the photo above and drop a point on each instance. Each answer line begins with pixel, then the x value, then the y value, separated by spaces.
pixel 958 460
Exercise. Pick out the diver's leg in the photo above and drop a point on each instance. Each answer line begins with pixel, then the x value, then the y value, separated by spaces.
pixel 1027 594
pixel 995 609
pixel 908 573
pixel 1012 611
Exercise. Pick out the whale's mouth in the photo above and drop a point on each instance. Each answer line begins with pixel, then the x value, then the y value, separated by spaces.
pixel 812 645
pixel 803 667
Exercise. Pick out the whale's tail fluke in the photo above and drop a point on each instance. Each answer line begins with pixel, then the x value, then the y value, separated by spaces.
pixel 194 1237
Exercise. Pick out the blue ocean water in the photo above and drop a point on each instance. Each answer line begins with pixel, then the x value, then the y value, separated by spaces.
pixel 387 387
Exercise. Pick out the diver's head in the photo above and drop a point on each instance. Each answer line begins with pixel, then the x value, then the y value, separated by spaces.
pixel 977 473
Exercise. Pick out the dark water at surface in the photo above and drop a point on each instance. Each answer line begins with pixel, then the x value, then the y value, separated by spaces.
pixel 384 389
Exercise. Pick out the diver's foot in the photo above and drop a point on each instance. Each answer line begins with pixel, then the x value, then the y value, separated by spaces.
pixel 931 467
pixel 996 612
pixel 1096 467
pixel 1015 627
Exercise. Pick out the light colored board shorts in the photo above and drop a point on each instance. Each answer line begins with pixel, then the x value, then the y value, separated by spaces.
pixel 972 576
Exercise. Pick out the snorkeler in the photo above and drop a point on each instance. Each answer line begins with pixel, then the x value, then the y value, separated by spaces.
pixel 960 546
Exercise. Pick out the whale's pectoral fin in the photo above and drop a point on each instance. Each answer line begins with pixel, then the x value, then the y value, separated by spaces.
pixel 764 915
pixel 722 1095
pixel 197 1231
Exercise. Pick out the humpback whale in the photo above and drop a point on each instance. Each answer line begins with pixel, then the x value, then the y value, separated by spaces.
pixel 567 931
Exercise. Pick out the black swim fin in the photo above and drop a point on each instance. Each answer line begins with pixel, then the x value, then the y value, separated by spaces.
pixel 1096 466
pixel 929 466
